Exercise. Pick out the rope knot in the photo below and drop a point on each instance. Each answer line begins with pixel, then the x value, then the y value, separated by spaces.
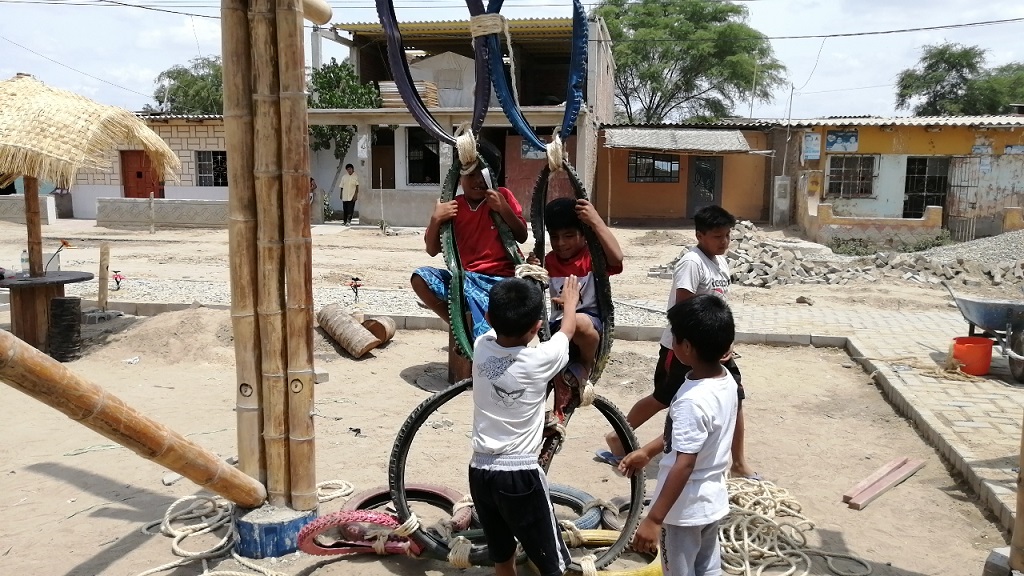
pixel 484 24
pixel 465 144
pixel 459 554
pixel 555 152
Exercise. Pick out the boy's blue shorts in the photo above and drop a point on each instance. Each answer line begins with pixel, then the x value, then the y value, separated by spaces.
pixel 476 289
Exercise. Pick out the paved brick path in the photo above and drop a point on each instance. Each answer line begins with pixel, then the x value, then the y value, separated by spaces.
pixel 976 425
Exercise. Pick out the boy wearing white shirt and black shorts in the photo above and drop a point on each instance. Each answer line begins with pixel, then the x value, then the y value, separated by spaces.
pixel 691 497
pixel 702 270
pixel 510 382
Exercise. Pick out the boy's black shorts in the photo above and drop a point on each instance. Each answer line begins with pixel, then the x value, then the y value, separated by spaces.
pixel 515 505
pixel 670 373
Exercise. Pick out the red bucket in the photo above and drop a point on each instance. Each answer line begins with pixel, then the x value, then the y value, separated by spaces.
pixel 975 353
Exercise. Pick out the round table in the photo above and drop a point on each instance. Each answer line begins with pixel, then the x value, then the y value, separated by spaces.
pixel 30 302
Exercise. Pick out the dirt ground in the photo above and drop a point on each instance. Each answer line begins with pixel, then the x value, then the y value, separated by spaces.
pixel 65 488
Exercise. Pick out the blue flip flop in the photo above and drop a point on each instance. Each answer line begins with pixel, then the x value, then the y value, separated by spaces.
pixel 607 457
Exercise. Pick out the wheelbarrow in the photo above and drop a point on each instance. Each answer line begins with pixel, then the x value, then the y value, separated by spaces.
pixel 1002 320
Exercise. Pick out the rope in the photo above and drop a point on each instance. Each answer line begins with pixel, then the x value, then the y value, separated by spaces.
pixel 533 272
pixel 571 534
pixel 598 503
pixel 753 539
pixel 408 527
pixel 340 490
pixel 588 565
pixel 466 502
pixel 380 540
pixel 555 152
pixel 459 554
pixel 485 24
pixel 465 144
pixel 587 395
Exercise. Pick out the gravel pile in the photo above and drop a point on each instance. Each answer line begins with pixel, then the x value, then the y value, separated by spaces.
pixel 1001 248
pixel 393 302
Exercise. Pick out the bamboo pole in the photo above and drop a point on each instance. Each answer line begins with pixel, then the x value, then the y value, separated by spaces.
pixel 104 276
pixel 35 231
pixel 238 131
pixel 43 378
pixel 1017 538
pixel 316 11
pixel 298 254
pixel 270 257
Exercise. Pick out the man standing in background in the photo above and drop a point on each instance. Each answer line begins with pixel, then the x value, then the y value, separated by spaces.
pixel 349 194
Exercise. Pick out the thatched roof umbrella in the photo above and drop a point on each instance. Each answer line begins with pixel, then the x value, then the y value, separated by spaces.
pixel 49 134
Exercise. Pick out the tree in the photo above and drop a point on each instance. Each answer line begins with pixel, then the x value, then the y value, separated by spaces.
pixel 194 89
pixel 336 85
pixel 939 84
pixel 686 59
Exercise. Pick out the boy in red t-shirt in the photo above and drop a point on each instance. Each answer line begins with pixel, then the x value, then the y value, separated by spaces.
pixel 483 255
pixel 564 219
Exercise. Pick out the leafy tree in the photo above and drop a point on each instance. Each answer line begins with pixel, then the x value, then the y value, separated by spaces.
pixel 194 89
pixel 336 85
pixel 940 82
pixel 680 59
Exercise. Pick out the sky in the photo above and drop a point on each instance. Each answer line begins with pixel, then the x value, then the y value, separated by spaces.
pixel 112 53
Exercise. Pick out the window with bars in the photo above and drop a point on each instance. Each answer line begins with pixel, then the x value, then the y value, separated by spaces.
pixel 851 176
pixel 927 184
pixel 211 168
pixel 423 155
pixel 648 167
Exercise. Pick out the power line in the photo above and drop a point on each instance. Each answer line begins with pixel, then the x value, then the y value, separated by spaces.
pixel 74 69
pixel 846 89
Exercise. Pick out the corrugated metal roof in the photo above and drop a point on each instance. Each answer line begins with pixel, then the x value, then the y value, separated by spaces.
pixel 517 26
pixel 677 140
pixel 979 121
pixel 187 117
pixel 728 123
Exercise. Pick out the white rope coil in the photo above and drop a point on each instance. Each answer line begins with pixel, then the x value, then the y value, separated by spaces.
pixel 465 145
pixel 408 527
pixel 484 24
pixel 755 537
pixel 588 565
pixel 459 554
pixel 333 489
pixel 465 502
pixel 533 272
pixel 587 395
pixel 555 153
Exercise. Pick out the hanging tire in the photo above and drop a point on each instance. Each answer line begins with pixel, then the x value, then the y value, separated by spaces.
pixel 436 548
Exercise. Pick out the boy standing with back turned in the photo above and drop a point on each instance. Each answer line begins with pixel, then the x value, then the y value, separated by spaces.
pixel 510 382
pixel 692 497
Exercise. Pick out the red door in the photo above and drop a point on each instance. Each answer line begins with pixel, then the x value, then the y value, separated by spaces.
pixel 138 176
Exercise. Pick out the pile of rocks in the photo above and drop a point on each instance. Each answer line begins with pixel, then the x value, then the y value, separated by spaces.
pixel 761 262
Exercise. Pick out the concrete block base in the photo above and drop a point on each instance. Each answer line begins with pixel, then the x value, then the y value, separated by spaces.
pixel 270 532
pixel 97 316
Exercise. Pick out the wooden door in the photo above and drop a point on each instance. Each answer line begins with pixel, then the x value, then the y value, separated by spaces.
pixel 138 177
pixel 705 183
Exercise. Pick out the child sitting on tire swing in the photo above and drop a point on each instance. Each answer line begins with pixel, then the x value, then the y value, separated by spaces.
pixel 483 255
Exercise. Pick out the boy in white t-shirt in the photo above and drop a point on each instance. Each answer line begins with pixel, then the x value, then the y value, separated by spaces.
pixel 691 496
pixel 510 383
pixel 702 270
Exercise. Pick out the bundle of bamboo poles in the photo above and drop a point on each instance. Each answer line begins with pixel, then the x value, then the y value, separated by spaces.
pixel 270 242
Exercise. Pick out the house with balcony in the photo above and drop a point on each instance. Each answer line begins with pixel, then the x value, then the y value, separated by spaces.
pixel 401 166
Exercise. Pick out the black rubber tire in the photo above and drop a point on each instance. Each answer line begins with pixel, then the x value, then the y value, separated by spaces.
pixel 576 500
pixel 435 548
pixel 435 495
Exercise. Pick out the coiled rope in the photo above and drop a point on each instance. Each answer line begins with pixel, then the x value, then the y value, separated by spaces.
pixel 213 513
pixel 756 536
pixel 485 24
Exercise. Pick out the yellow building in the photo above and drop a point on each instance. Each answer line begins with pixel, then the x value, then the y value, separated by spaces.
pixel 876 178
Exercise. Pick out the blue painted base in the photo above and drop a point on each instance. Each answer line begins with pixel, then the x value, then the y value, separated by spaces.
pixel 270 532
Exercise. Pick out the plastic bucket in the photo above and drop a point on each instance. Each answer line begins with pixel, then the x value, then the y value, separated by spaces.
pixel 975 353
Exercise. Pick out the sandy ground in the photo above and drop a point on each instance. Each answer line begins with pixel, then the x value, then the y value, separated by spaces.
pixel 65 488
pixel 72 504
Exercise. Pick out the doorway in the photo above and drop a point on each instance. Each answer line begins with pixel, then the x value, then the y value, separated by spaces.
pixel 927 184
pixel 138 177
pixel 705 183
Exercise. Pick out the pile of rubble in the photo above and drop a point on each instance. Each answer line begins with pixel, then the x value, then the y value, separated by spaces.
pixel 765 263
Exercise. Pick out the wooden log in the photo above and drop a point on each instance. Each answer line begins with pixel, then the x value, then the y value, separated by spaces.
pixel 316 11
pixel 887 482
pixel 1017 538
pixel 242 225
pixel 104 276
pixel 50 382
pixel 298 254
pixel 35 230
pixel 383 327
pixel 271 289
pixel 874 477
pixel 351 335
pixel 459 367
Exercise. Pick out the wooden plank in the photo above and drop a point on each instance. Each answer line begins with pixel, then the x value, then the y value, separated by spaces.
pixel 874 477
pixel 885 484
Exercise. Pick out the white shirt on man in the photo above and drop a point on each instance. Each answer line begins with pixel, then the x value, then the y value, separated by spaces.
pixel 349 184
pixel 697 273
pixel 509 391
pixel 700 421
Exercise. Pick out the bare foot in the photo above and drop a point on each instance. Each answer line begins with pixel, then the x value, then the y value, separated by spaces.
pixel 743 471
pixel 614 445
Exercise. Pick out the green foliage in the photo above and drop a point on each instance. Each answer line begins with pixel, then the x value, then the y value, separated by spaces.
pixel 336 85
pixel 852 247
pixel 951 79
pixel 942 239
pixel 194 89
pixel 681 59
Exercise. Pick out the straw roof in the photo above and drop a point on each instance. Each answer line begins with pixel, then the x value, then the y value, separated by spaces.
pixel 50 134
